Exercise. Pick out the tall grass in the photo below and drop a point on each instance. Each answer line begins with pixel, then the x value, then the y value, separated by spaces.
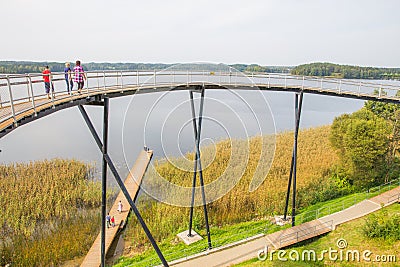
pixel 315 159
pixel 47 211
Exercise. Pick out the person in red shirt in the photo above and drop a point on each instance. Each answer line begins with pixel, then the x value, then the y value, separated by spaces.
pixel 46 78
pixel 112 221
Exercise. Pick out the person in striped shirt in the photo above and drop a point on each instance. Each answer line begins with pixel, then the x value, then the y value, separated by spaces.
pixel 79 76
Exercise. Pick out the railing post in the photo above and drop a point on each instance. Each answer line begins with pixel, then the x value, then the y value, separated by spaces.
pixel 187 79
pixel 116 76
pixel 122 81
pixel 87 84
pixel 155 78
pixel 31 89
pixel 285 82
pixel 27 86
pixel 322 80
pixel 380 91
pixel 340 86
pixel 51 89
pixel 173 77
pixel 302 84
pixel 104 80
pixel 236 79
pixel 98 82
pixel 1 102
pixel 269 80
pixel 11 100
pixel 359 88
pixel 137 77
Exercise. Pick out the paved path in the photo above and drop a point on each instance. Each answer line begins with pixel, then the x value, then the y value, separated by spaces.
pixel 242 251
pixel 132 184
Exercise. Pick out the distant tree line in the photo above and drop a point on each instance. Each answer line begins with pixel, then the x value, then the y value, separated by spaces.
pixel 313 69
pixel 258 68
pixel 20 67
pixel 346 71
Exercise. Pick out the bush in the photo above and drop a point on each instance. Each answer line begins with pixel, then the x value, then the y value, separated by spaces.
pixel 382 226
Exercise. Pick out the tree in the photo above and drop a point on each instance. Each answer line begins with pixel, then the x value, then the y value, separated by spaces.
pixel 391 113
pixel 362 139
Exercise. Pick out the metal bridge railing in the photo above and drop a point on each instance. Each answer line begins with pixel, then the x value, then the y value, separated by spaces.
pixel 305 233
pixel 21 92
pixel 349 202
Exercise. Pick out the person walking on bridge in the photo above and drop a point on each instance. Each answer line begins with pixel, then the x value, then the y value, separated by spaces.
pixel 68 77
pixel 46 78
pixel 79 76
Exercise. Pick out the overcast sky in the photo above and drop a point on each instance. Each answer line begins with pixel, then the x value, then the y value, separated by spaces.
pixel 265 32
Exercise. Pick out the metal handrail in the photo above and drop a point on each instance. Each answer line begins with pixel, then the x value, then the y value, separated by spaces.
pixel 344 204
pixel 305 231
pixel 17 84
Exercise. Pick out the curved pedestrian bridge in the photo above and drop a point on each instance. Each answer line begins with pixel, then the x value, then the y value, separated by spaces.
pixel 22 97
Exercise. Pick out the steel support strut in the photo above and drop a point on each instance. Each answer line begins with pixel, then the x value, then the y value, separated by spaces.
pixel 104 183
pixel 114 171
pixel 293 166
pixel 197 165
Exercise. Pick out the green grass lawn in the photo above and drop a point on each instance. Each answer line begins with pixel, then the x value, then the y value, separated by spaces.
pixel 356 240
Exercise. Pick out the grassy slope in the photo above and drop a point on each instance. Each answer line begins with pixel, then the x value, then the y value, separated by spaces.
pixel 352 233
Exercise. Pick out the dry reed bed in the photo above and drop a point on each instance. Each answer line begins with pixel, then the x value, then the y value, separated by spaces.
pixel 315 159
pixel 47 211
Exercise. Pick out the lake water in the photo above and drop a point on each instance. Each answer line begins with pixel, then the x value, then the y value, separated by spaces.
pixel 163 121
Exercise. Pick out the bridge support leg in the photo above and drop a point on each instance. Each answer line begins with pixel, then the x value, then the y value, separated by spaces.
pixel 104 183
pixel 197 165
pixel 293 166
pixel 110 164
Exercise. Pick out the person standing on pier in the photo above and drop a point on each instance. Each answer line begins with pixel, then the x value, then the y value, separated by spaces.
pixel 46 78
pixel 119 206
pixel 112 221
pixel 108 219
pixel 68 77
pixel 79 75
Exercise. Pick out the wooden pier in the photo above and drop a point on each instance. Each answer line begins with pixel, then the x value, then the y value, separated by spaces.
pixel 132 183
